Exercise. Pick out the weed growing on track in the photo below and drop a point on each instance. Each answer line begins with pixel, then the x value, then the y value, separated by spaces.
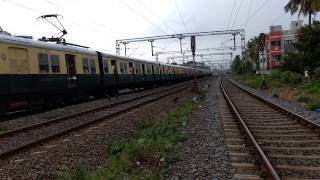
pixel 152 147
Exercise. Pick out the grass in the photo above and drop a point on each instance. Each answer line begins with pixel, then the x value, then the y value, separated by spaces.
pixel 152 147
pixel 288 85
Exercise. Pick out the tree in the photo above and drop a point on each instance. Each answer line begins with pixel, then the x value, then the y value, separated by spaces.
pixel 306 52
pixel 306 7
pixel 253 48
pixel 239 66
pixel 236 65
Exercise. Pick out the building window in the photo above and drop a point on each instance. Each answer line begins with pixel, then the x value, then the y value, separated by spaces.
pixel 92 66
pixel 43 63
pixel 105 66
pixel 55 64
pixel 276 58
pixel 85 65
pixel 275 43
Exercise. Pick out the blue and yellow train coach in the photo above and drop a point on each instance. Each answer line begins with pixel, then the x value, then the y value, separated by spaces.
pixel 35 73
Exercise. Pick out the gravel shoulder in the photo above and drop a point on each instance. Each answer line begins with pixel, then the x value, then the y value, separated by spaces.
pixel 295 107
pixel 202 155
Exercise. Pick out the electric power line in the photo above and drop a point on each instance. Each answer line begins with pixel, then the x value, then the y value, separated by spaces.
pixel 237 12
pixel 142 16
pixel 231 14
pixel 40 13
pixel 53 4
pixel 249 12
pixel 155 15
pixel 179 12
pixel 254 13
pixel 25 7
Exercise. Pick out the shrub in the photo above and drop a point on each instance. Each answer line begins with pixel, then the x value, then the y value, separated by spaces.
pixel 291 77
pixel 317 73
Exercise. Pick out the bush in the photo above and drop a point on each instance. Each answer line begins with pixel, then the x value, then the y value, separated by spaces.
pixel 317 73
pixel 289 77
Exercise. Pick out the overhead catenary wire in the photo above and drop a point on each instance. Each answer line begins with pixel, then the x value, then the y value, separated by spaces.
pixel 231 14
pixel 249 12
pixel 180 15
pixel 237 13
pixel 142 16
pixel 92 22
pixel 273 21
pixel 25 7
pixel 254 13
pixel 39 12
pixel 53 4
pixel 155 15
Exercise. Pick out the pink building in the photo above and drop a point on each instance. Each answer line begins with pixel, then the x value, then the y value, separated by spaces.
pixel 278 42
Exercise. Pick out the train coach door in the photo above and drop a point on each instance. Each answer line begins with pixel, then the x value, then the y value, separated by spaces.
pixel 71 70
pixel 114 69
pixel 144 72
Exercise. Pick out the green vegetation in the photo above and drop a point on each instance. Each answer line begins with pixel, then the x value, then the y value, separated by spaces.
pixel 306 7
pixel 152 147
pixel 306 52
pixel 287 82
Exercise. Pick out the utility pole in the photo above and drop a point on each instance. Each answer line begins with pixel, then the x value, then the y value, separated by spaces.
pixel 262 38
pixel 193 49
pixel 151 41
pixel 125 49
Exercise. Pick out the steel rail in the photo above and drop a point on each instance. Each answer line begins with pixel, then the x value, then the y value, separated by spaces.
pixel 151 99
pixel 302 120
pixel 58 119
pixel 271 171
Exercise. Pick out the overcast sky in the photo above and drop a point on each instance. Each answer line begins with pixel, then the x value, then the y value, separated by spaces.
pixel 98 23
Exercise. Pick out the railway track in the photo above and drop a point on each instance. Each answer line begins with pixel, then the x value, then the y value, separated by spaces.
pixel 23 113
pixel 18 140
pixel 265 141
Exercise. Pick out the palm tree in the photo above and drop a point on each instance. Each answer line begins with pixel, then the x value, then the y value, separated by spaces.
pixel 306 7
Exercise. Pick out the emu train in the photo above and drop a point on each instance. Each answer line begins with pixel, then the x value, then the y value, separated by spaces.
pixel 35 73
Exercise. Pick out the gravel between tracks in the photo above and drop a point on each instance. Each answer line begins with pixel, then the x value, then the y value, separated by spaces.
pixel 295 107
pixel 203 155
pixel 86 147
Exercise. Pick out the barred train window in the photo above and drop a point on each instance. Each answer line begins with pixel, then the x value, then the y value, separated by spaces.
pixel 85 65
pixel 43 63
pixel 92 66
pixel 55 64
pixel 123 68
pixel 105 66
pixel 137 68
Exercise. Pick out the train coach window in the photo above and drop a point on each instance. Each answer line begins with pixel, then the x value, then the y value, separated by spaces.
pixel 105 66
pixel 137 67
pixel 55 64
pixel 92 66
pixel 43 63
pixel 123 68
pixel 85 65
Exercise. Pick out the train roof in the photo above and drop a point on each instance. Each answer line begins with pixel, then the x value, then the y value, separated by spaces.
pixel 40 44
